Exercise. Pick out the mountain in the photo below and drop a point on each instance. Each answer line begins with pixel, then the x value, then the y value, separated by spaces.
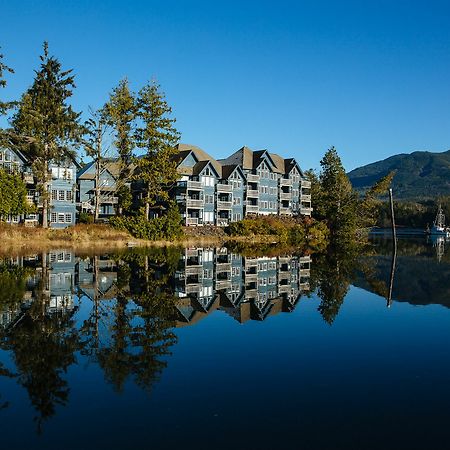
pixel 419 175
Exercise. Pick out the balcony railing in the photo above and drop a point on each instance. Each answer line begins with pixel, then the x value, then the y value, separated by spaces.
pixel 306 198
pixel 286 211
pixel 194 270
pixel 192 221
pixel 222 222
pixel 252 193
pixel 108 199
pixel 252 209
pixel 305 211
pixel 224 187
pixel 285 195
pixel 194 203
pixel 224 205
pixel 197 185
pixel 252 178
pixel 285 182
pixel 28 178
pixel 223 267
pixel 306 184
pixel 305 272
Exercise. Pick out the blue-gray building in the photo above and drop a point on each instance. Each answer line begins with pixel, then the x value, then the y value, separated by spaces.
pixel 107 183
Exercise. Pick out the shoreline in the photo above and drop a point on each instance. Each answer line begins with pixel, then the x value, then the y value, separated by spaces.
pixel 19 239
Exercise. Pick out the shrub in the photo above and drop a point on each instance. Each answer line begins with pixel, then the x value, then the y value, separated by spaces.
pixel 85 217
pixel 166 227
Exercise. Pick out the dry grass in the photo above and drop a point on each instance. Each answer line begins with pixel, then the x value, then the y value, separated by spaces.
pixel 20 239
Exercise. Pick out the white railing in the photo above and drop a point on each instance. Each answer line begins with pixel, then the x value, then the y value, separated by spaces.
pixel 194 185
pixel 286 211
pixel 108 199
pixel 253 178
pixel 285 182
pixel 224 187
pixel 305 211
pixel 28 178
pixel 306 184
pixel 194 203
pixel 191 221
pixel 252 208
pixel 252 193
pixel 305 198
pixel 224 205
pixel 285 195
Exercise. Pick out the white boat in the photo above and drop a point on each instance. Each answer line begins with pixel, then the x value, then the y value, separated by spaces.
pixel 439 228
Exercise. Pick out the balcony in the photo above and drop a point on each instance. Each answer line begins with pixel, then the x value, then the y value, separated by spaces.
pixel 192 221
pixel 194 270
pixel 109 199
pixel 252 178
pixel 252 193
pixel 222 222
pixel 285 195
pixel 305 272
pixel 195 203
pixel 251 277
pixel 193 288
pixel 223 267
pixel 285 182
pixel 286 211
pixel 224 205
pixel 305 211
pixel 305 198
pixel 252 209
pixel 224 187
pixel 194 185
pixel 306 184
pixel 223 284
pixel 28 178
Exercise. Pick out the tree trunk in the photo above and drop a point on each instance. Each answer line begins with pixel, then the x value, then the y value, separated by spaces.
pixel 147 203
pixel 97 189
pixel 45 196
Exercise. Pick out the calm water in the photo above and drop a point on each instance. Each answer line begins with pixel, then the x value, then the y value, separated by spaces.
pixel 210 349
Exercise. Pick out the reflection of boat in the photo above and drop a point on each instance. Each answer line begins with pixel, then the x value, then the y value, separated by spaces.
pixel 439 228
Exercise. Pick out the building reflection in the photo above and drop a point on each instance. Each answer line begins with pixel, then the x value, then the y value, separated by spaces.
pixel 246 288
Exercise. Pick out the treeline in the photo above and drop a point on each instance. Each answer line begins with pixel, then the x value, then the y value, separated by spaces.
pixel 46 129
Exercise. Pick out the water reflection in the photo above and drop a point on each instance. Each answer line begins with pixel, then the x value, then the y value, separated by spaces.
pixel 119 311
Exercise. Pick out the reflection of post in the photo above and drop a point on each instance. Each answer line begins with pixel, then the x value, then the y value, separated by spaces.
pixel 394 250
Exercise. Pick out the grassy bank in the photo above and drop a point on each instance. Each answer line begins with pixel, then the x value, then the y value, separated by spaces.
pixel 260 231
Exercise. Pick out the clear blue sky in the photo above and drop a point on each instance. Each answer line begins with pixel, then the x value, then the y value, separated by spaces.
pixel 369 77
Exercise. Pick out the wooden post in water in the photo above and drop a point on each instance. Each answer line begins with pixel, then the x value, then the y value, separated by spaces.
pixel 394 252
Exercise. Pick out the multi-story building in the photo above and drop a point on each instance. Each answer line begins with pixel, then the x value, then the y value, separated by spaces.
pixel 86 188
pixel 246 183
pixel 61 189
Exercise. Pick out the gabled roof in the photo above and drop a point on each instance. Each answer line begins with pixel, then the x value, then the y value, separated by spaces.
pixel 227 170
pixel 84 173
pixel 201 155
pixel 242 157
pixel 198 168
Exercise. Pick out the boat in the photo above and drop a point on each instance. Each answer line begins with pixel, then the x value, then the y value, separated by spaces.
pixel 439 228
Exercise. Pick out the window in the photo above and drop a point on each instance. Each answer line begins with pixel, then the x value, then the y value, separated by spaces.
pixel 61 195
pixel 207 273
pixel 55 173
pixel 1 156
pixel 68 217
pixel 69 196
pixel 61 217
pixel 53 217
pixel 54 194
pixel 207 180
pixel 209 199
pixel 236 200
pixel 7 155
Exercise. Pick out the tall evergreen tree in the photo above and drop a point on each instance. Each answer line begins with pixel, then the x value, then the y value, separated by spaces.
pixel 157 135
pixel 4 106
pixel 339 202
pixel 47 123
pixel 120 114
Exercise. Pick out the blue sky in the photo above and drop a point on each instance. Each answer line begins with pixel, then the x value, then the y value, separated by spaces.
pixel 371 78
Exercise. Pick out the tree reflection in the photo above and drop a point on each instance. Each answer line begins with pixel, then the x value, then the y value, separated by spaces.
pixel 331 275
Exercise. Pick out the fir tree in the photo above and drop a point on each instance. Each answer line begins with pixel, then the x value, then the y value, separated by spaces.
pixel 338 201
pixel 46 123
pixel 120 114
pixel 4 106
pixel 156 169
